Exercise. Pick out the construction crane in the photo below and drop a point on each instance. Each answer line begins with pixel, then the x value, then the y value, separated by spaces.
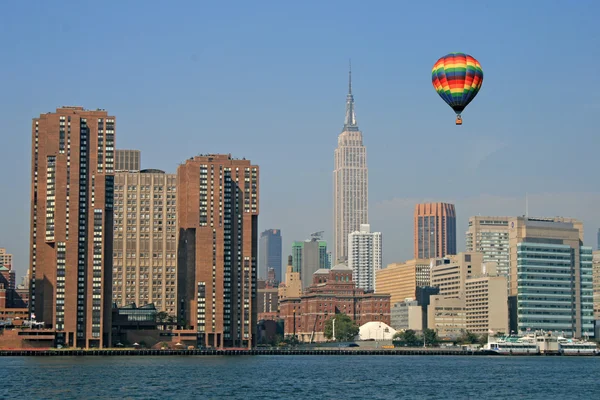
pixel 317 235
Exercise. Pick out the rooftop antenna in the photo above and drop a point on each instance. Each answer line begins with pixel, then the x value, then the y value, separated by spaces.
pixel 349 76
pixel 526 205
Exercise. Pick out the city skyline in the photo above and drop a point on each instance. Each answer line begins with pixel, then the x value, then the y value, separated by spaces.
pixel 492 163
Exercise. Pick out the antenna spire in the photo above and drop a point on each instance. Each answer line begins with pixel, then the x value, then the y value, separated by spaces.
pixel 350 121
pixel 350 76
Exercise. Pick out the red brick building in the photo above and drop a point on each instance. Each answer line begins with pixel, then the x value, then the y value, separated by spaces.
pixel 217 216
pixel 72 184
pixel 332 292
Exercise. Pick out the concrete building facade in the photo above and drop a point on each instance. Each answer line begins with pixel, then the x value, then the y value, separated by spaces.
pixel 447 316
pixel 350 182
pixel 486 304
pixel 128 160
pixel 401 280
pixel 489 236
pixel 450 273
pixel 292 287
pixel 308 257
pixel 435 230
pixel 407 314
pixel 551 276
pixel 596 284
pixel 364 256
pixel 72 190
pixel 217 209
pixel 269 254
pixel 145 240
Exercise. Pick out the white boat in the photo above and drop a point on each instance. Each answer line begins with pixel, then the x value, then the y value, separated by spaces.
pixel 570 347
pixel 514 345
pixel 544 343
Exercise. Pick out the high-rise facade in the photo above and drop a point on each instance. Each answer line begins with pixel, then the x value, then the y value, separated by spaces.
pixel 350 182
pixel 550 276
pixel 217 208
pixel 435 230
pixel 269 254
pixel 292 287
pixel 128 160
pixel 72 224
pixel 450 273
pixel 596 283
pixel 489 236
pixel 145 239
pixel 402 280
pixel 364 256
pixel 5 259
pixel 308 257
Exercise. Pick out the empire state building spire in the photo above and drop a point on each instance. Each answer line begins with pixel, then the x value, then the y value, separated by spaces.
pixel 350 121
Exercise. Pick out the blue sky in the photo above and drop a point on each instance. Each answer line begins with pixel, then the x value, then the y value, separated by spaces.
pixel 267 81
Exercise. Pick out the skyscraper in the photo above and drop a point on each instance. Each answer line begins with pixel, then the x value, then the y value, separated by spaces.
pixel 72 224
pixel 364 256
pixel 489 236
pixel 308 257
pixel 269 254
pixel 145 239
pixel 435 230
pixel 350 182
pixel 217 208
pixel 551 281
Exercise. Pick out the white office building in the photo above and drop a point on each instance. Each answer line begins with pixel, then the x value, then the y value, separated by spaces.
pixel 364 256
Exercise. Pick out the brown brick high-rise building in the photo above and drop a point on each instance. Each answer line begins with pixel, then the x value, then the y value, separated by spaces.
pixel 72 224
pixel 435 230
pixel 145 239
pixel 217 208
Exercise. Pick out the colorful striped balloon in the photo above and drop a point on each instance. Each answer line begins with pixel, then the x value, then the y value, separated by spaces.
pixel 457 78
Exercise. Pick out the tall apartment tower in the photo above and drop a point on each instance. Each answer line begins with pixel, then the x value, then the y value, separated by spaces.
pixel 72 224
pixel 217 208
pixel 308 257
pixel 350 182
pixel 435 230
pixel 551 282
pixel 128 160
pixel 5 259
pixel 364 256
pixel 269 255
pixel 489 236
pixel 145 239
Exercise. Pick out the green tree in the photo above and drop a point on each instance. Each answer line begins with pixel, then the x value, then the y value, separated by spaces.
pixel 468 338
pixel 161 318
pixel 408 337
pixel 483 339
pixel 431 337
pixel 345 328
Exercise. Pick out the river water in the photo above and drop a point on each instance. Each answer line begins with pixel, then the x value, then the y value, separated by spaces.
pixel 300 377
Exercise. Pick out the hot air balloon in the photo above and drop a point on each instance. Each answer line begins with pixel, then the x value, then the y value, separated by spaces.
pixel 457 78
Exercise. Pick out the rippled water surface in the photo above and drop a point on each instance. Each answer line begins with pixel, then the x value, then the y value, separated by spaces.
pixel 301 377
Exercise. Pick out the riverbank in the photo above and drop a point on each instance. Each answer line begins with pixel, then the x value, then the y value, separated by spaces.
pixel 234 352
pixel 237 352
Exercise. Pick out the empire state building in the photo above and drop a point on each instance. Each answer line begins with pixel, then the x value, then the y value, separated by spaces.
pixel 350 181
